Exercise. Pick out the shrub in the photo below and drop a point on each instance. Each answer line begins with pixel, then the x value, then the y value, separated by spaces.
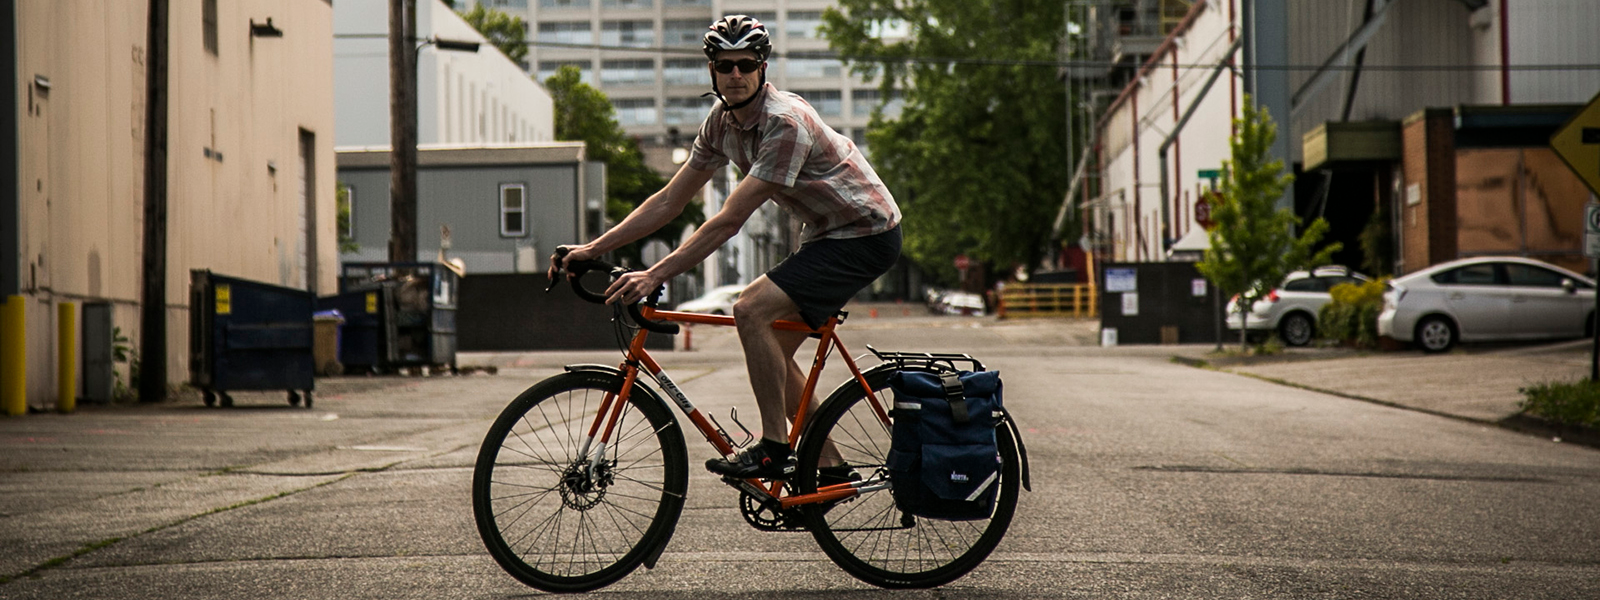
pixel 1574 403
pixel 1352 316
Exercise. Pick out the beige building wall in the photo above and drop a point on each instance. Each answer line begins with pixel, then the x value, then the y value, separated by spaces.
pixel 236 123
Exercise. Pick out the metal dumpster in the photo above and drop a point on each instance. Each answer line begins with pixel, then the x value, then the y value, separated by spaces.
pixel 367 338
pixel 421 309
pixel 248 335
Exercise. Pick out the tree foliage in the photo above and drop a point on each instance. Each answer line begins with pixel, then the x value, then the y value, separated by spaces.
pixel 508 33
pixel 583 112
pixel 977 157
pixel 1253 245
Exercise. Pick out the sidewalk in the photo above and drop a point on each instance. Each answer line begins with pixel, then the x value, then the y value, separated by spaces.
pixel 1479 384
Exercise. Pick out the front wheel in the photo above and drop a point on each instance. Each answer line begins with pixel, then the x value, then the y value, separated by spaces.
pixel 550 516
pixel 867 535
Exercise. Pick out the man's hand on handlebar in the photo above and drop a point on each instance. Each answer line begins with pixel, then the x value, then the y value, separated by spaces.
pixel 632 287
pixel 567 254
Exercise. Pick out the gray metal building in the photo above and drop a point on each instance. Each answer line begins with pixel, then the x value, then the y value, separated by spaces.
pixel 506 206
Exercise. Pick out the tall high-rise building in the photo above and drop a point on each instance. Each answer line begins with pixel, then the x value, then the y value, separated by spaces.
pixel 645 55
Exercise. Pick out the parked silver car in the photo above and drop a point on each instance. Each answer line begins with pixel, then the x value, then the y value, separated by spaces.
pixel 1292 308
pixel 718 301
pixel 1490 298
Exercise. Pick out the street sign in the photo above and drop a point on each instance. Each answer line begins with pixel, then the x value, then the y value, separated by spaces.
pixel 1578 143
pixel 1212 174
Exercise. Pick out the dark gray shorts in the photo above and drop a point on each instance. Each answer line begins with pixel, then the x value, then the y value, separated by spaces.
pixel 824 274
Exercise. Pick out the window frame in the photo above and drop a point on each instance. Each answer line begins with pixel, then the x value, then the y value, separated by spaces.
pixel 500 200
pixel 350 202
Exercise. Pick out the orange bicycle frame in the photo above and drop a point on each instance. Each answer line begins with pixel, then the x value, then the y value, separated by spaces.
pixel 638 358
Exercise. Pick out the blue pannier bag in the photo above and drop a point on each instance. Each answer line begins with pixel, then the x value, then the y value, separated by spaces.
pixel 944 461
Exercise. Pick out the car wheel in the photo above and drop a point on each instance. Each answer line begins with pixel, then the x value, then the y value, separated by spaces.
pixel 717 312
pixel 1296 329
pixel 1436 334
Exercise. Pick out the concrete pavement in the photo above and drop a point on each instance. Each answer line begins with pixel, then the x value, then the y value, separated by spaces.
pixel 364 485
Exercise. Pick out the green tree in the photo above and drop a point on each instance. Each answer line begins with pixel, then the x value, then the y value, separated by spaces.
pixel 508 33
pixel 977 156
pixel 584 113
pixel 1253 245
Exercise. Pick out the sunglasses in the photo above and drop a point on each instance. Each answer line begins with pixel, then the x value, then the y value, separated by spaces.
pixel 745 66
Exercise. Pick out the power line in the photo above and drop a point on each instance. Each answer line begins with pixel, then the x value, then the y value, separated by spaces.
pixel 1056 64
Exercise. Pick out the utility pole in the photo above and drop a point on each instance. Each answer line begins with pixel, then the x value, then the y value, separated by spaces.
pixel 402 131
pixel 153 305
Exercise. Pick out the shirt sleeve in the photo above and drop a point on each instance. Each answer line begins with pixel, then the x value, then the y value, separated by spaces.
pixel 705 156
pixel 783 151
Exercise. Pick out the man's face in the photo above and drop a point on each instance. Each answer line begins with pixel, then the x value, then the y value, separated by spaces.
pixel 737 85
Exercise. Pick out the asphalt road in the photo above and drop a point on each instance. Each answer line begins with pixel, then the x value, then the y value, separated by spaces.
pixel 1151 480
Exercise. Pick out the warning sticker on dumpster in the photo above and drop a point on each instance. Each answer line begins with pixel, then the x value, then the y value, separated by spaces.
pixel 224 299
pixel 372 303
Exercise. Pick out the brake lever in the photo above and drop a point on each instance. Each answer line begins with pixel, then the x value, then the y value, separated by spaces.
pixel 561 252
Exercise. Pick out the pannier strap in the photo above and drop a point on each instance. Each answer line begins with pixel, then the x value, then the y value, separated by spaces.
pixel 956 396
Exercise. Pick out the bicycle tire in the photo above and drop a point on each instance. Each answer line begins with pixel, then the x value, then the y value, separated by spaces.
pixel 865 535
pixel 549 524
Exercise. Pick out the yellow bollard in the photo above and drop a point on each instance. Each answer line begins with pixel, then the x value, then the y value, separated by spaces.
pixel 67 357
pixel 13 357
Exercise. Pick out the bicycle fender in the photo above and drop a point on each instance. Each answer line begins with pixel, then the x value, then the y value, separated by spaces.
pixel 1022 449
pixel 593 368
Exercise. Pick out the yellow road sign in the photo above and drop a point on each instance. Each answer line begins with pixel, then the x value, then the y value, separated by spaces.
pixel 1578 143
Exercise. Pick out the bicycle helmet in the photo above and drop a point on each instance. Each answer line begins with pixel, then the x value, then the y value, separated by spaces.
pixel 738 32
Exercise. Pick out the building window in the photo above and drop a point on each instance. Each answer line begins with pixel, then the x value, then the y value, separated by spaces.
pixel 803 23
pixel 686 3
pixel 866 100
pixel 635 111
pixel 505 4
pixel 683 32
pixel 627 3
pixel 345 220
pixel 563 3
pixel 548 68
pixel 628 33
pixel 513 210
pixel 566 32
pixel 680 111
pixel 628 72
pixel 829 103
pixel 813 67
pixel 208 24
pixel 685 71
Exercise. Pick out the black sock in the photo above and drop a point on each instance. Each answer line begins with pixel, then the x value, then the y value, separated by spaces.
pixel 775 449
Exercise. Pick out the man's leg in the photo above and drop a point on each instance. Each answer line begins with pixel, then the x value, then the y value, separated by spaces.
pixel 768 353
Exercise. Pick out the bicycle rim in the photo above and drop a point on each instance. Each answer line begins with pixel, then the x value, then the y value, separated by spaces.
pixel 868 536
pixel 544 517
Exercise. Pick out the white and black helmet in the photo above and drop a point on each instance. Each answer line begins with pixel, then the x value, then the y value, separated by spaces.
pixel 738 32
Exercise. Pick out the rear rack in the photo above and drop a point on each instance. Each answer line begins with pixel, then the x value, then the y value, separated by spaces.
pixel 932 361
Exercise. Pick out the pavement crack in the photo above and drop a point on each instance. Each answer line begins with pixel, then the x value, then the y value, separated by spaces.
pixel 111 541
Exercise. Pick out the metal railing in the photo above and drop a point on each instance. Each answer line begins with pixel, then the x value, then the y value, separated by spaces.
pixel 1035 300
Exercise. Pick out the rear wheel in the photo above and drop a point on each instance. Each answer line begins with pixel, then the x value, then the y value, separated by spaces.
pixel 551 518
pixel 867 535
pixel 1296 329
pixel 1435 334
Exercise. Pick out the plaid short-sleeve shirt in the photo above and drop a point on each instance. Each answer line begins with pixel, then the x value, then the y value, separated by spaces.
pixel 826 181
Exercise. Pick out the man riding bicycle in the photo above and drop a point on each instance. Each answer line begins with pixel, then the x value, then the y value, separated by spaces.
pixel 851 231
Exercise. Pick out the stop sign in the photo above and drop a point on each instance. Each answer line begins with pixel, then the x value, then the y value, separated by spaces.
pixel 962 262
pixel 1202 210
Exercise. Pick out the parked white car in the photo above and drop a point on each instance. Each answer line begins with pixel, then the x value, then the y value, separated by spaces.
pixel 1490 298
pixel 1292 308
pixel 718 301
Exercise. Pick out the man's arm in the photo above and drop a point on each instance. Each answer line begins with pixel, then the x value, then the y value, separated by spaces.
pixel 656 211
pixel 743 202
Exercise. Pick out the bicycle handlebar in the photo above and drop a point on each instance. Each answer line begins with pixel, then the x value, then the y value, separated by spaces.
pixel 577 269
